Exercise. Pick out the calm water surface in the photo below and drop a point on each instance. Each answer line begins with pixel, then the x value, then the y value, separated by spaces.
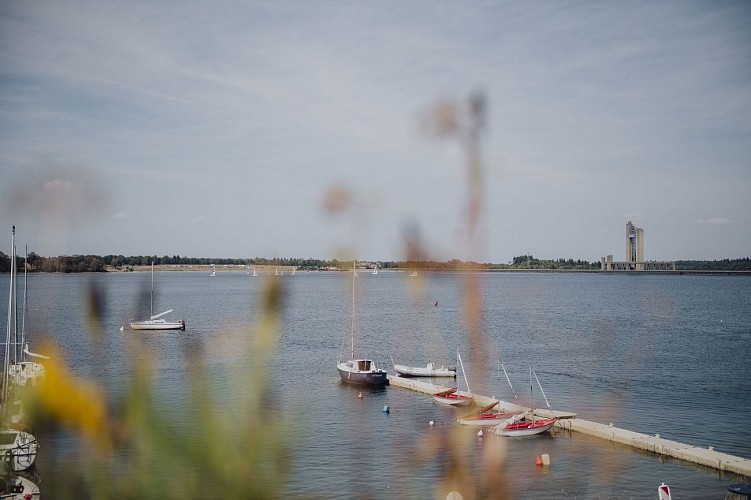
pixel 652 354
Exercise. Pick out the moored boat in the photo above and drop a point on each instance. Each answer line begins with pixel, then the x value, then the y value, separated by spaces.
pixel 429 370
pixel 524 427
pixel 359 371
pixel 518 427
pixel 453 397
pixel 155 321
pixel 484 417
pixel 17 487
pixel 19 447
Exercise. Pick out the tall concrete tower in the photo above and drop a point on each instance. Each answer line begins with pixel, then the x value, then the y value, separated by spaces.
pixel 634 247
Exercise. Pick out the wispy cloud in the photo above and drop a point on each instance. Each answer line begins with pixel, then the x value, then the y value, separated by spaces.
pixel 122 215
pixel 259 107
pixel 713 220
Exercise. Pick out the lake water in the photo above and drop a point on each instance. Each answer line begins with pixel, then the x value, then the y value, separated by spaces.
pixel 653 354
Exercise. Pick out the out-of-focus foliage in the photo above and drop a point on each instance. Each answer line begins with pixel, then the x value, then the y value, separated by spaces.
pixel 224 446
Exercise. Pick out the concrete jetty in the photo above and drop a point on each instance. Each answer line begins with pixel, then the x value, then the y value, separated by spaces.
pixel 569 421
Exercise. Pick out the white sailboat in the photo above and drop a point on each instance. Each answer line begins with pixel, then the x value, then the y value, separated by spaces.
pixel 515 427
pixel 359 371
pixel 254 271
pixel 18 446
pixel 211 274
pixel 375 269
pixel 19 488
pixel 485 417
pixel 23 371
pixel 156 321
pixel 454 397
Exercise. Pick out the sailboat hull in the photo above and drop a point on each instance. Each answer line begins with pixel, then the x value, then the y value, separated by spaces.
pixel 489 419
pixel 158 325
pixel 525 428
pixel 453 399
pixel 22 447
pixel 373 377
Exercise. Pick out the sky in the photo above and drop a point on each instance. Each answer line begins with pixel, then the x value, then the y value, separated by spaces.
pixel 233 129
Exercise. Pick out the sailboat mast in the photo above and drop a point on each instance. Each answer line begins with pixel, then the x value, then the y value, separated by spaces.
pixel 25 295
pixel 509 384
pixel 6 357
pixel 464 373
pixel 352 332
pixel 531 392
pixel 151 301
pixel 543 393
pixel 14 278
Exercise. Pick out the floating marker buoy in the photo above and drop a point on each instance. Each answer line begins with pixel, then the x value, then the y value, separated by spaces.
pixel 479 433
pixel 386 409
pixel 664 492
pixel 538 461
pixel 431 423
pixel 545 459
pixel 360 395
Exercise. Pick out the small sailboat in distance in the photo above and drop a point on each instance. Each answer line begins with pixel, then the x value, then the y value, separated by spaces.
pixel 155 321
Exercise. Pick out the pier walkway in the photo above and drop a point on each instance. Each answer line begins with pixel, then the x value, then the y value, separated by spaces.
pixel 569 421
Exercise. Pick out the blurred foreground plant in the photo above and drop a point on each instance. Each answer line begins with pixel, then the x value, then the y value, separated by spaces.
pixel 222 447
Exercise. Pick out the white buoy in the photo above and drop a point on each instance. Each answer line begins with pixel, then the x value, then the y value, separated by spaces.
pixel 121 328
pixel 386 409
pixel 360 395
pixel 431 423
pixel 664 492
pixel 479 433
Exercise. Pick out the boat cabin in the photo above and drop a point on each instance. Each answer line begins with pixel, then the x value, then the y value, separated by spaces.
pixel 361 365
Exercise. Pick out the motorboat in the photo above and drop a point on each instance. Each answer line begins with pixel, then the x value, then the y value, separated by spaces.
pixel 429 370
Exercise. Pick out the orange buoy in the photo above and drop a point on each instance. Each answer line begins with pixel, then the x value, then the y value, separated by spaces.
pixel 539 460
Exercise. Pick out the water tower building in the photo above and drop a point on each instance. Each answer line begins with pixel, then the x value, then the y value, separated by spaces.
pixel 634 247
pixel 635 255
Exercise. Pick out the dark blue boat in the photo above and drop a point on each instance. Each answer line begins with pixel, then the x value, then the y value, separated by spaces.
pixel 361 371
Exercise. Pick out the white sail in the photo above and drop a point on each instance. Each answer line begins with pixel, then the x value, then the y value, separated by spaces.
pixel 33 354
pixel 157 316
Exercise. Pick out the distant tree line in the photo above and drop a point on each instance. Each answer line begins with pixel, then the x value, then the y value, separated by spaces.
pixel 714 265
pixel 96 263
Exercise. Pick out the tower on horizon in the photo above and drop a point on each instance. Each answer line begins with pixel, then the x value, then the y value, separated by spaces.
pixel 634 247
